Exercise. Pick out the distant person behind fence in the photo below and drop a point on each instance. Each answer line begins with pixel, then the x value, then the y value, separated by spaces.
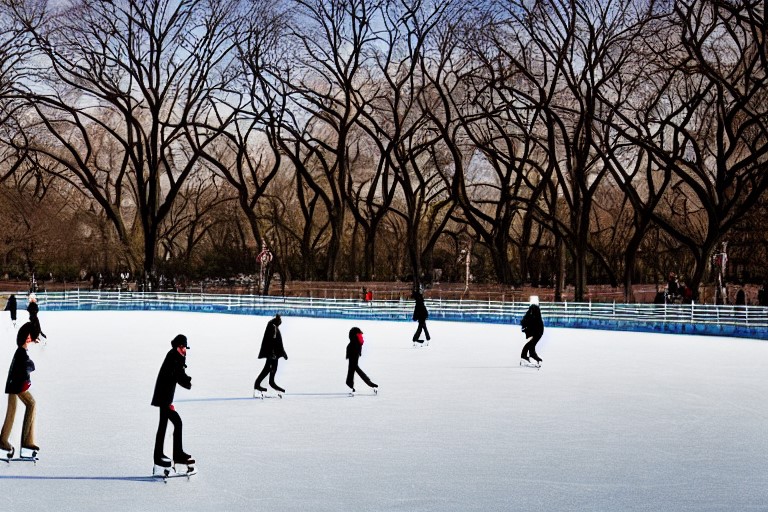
pixel 673 288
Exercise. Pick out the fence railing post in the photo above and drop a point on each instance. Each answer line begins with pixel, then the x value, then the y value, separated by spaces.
pixel 700 315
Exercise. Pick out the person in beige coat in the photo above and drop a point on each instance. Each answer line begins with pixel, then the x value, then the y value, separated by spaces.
pixel 17 387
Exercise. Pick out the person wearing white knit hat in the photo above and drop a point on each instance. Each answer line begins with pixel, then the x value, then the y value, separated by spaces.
pixel 533 327
pixel 32 309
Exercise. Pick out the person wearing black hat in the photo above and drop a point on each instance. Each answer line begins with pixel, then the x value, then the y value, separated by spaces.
pixel 354 352
pixel 272 350
pixel 172 372
pixel 17 386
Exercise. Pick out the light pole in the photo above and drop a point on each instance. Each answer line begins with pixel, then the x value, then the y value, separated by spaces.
pixel 467 254
pixel 720 261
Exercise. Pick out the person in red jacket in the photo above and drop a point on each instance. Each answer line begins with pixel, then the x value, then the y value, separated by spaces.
pixel 354 351
pixel 172 372
pixel 17 386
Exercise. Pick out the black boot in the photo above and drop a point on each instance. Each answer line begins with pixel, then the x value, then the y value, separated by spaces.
pixel 183 458
pixel 162 461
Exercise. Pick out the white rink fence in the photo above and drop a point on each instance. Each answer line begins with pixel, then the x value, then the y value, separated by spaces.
pixel 700 319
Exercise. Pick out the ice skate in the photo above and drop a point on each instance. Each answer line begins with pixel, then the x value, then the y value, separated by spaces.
pixel 184 460
pixel 10 451
pixel 29 452
pixel 278 389
pixel 162 467
pixel 259 393
pixel 161 471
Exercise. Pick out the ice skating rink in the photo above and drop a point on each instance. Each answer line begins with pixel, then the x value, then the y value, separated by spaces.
pixel 612 422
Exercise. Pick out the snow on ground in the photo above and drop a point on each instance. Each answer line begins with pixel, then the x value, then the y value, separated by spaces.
pixel 612 422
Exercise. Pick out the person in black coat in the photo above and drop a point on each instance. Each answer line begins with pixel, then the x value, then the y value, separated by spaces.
pixel 533 327
pixel 32 309
pixel 17 387
pixel 172 372
pixel 420 314
pixel 354 352
pixel 271 350
pixel 11 306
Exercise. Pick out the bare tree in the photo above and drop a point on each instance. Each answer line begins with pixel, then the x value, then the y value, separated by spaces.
pixel 405 180
pixel 246 152
pixel 706 124
pixel 117 87
pixel 195 212
pixel 326 99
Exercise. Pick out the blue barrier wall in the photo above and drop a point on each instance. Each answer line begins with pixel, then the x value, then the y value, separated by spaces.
pixel 709 320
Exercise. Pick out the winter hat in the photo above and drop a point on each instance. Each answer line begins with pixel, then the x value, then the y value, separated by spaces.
pixel 534 301
pixel 32 297
pixel 353 332
pixel 24 331
pixel 277 320
pixel 179 341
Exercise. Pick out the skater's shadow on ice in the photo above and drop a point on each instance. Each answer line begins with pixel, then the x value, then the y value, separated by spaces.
pixel 320 395
pixel 118 478
pixel 513 367
pixel 215 399
pixel 251 399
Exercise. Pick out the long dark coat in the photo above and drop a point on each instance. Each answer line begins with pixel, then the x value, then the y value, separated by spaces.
pixel 171 373
pixel 11 306
pixel 532 324
pixel 420 312
pixel 272 343
pixel 18 373
pixel 33 309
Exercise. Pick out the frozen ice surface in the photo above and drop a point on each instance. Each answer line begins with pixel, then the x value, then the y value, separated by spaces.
pixel 612 422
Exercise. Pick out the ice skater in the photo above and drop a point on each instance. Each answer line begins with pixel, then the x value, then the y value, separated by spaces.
pixel 11 306
pixel 533 327
pixel 32 309
pixel 354 351
pixel 271 350
pixel 17 386
pixel 420 314
pixel 172 372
